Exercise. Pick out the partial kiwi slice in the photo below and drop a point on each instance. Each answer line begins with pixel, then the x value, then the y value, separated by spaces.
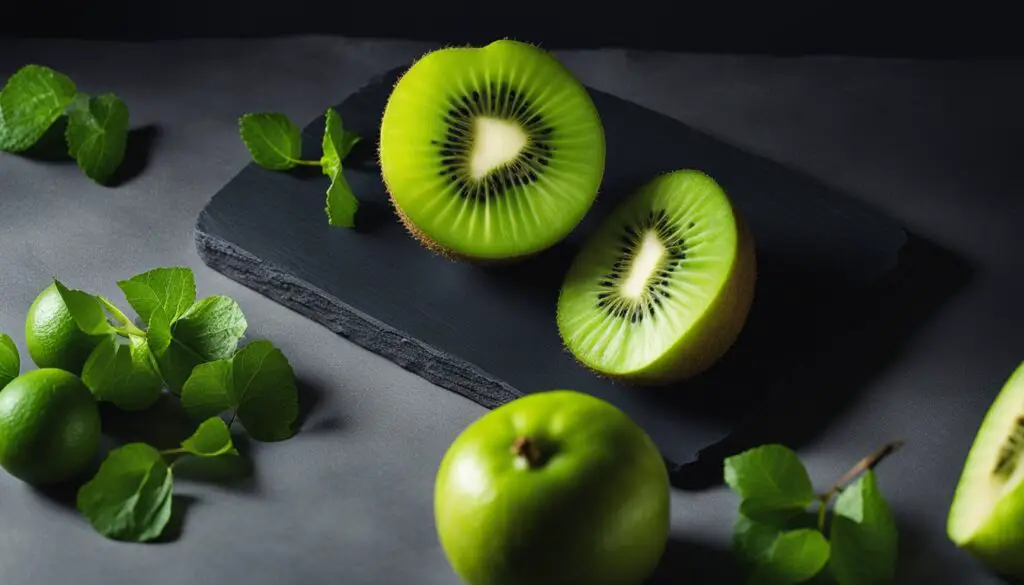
pixel 986 517
pixel 663 287
pixel 491 153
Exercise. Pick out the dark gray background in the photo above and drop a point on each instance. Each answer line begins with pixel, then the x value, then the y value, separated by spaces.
pixel 348 500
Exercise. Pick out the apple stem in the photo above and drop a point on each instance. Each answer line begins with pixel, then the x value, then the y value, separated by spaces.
pixel 527 449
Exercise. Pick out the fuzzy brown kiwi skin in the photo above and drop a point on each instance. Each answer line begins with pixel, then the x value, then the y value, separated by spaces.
pixel 737 298
pixel 418 234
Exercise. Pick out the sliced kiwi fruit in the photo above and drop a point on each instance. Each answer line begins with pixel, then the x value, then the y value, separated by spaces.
pixel 663 287
pixel 986 517
pixel 491 153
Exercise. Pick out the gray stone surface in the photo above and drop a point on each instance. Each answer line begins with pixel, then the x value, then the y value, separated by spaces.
pixel 349 500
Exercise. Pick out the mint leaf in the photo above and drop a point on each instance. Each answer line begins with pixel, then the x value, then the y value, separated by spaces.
pixel 337 143
pixel 272 140
pixel 341 202
pixel 794 556
pixel 123 373
pixel 175 360
pixel 86 310
pixel 171 289
pixel 211 439
pixel 751 540
pixel 209 330
pixel 10 361
pixel 769 479
pixel 97 135
pixel 863 535
pixel 31 101
pixel 209 391
pixel 129 498
pixel 211 327
pixel 258 382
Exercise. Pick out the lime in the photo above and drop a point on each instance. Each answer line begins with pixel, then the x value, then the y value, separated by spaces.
pixel 49 426
pixel 52 336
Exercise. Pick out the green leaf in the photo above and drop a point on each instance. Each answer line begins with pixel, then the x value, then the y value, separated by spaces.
pixel 794 556
pixel 171 289
pixel 863 535
pixel 258 382
pixel 123 373
pixel 752 539
pixel 341 202
pixel 211 439
pixel 86 310
pixel 769 478
pixel 272 140
pixel 31 101
pixel 337 143
pixel 211 327
pixel 209 390
pixel 10 361
pixel 209 330
pixel 97 136
pixel 129 498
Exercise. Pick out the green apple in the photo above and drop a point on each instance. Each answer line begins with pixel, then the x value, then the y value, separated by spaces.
pixel 554 488
pixel 987 514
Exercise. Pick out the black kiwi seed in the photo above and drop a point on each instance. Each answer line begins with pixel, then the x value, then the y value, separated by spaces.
pixel 1010 452
pixel 497 99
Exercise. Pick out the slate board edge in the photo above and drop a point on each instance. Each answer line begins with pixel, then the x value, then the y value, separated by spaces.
pixel 437 367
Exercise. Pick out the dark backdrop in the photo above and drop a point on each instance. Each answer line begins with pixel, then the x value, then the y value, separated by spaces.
pixel 949 30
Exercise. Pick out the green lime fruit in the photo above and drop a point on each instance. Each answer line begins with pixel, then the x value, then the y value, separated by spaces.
pixel 53 338
pixel 49 426
pixel 555 488
pixel 986 517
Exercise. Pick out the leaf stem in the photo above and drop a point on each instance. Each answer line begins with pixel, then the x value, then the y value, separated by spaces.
pixel 308 163
pixel 178 451
pixel 127 327
pixel 865 464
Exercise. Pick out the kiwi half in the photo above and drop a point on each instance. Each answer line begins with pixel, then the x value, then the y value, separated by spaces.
pixel 663 287
pixel 987 514
pixel 491 153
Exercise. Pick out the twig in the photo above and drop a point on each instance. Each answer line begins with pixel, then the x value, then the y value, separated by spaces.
pixel 869 462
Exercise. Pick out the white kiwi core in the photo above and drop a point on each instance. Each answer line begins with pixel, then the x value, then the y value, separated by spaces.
pixel 496 143
pixel 644 266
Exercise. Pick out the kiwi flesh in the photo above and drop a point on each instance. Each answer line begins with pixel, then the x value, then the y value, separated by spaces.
pixel 490 153
pixel 663 287
pixel 986 516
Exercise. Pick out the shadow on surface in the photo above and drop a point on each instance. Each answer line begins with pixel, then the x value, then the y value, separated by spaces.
pixel 841 346
pixel 181 504
pixel 52 147
pixel 689 562
pixel 64 494
pixel 311 396
pixel 164 425
pixel 235 472
pixel 137 155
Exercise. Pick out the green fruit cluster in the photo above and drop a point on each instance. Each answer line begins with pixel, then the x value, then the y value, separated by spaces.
pixel 49 420
pixel 89 352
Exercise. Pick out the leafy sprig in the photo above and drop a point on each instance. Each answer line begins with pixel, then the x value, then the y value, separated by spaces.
pixel 130 497
pixel 785 534
pixel 275 143
pixel 189 347
pixel 36 97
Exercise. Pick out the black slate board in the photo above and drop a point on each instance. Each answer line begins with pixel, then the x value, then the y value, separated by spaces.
pixel 488 333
